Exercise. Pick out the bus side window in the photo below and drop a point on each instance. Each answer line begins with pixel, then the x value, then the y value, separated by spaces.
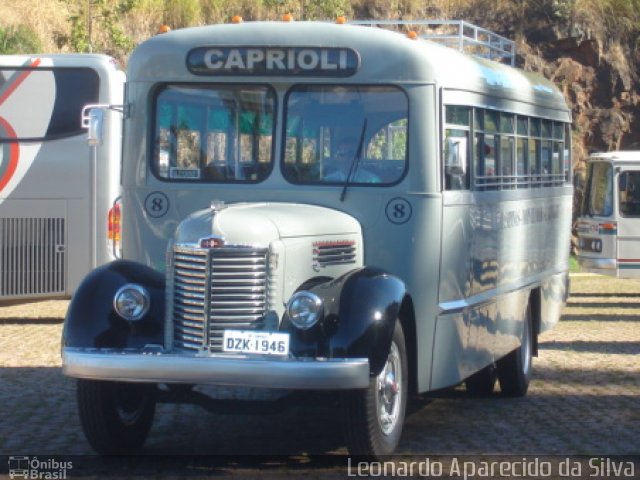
pixel 456 154
pixel 629 193
pixel 456 159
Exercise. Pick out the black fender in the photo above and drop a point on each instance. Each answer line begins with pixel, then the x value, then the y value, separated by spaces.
pixel 91 320
pixel 360 311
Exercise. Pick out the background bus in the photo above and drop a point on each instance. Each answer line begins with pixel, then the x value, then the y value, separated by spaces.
pixel 609 224
pixel 54 196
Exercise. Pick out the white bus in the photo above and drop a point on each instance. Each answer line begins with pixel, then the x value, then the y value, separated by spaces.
pixel 609 223
pixel 54 196
pixel 311 206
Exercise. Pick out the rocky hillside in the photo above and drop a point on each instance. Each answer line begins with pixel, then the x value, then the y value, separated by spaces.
pixel 588 47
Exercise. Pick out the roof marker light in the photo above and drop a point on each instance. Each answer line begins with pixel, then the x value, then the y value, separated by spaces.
pixel 341 20
pixel 164 29
pixel 287 17
pixel 236 19
pixel 412 35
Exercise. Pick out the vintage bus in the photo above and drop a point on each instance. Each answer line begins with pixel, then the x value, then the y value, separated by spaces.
pixel 54 195
pixel 317 206
pixel 608 226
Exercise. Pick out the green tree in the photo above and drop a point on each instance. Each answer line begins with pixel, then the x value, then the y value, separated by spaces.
pixel 20 39
pixel 95 27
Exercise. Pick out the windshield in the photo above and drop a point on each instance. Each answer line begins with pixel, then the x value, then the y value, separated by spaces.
pixel 214 133
pixel 599 200
pixel 326 124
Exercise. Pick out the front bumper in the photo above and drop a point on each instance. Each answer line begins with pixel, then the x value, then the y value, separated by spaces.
pixel 215 369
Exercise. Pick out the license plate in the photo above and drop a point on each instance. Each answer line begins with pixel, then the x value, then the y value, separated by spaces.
pixel 262 343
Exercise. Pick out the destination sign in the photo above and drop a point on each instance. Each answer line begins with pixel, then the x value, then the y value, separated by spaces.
pixel 278 61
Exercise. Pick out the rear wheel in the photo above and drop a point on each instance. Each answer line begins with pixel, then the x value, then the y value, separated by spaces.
pixel 373 417
pixel 514 370
pixel 116 417
pixel 482 383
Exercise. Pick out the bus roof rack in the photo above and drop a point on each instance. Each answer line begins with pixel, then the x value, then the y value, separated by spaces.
pixel 458 34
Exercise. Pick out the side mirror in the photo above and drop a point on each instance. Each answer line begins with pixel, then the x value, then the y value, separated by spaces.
pixel 95 127
pixel 93 120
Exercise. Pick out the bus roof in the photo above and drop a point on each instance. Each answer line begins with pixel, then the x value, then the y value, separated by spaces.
pixel 617 156
pixel 47 60
pixel 386 56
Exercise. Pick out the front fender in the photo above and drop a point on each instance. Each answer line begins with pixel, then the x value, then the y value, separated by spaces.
pixel 91 320
pixel 360 311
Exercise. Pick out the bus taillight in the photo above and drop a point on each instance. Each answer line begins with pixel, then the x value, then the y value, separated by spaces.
pixel 114 229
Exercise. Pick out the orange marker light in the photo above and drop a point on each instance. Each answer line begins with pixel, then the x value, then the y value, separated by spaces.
pixel 164 29
pixel 412 35
pixel 236 19
pixel 341 20
pixel 287 17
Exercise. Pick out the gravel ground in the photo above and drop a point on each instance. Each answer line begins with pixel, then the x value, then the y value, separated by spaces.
pixel 584 398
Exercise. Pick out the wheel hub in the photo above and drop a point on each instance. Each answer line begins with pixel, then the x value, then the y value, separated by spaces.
pixel 389 391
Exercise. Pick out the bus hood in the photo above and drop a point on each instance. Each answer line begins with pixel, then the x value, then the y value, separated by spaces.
pixel 262 223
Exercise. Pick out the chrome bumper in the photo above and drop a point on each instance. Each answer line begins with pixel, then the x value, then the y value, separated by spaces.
pixel 127 366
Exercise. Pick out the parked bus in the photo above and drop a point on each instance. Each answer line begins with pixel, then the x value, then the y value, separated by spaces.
pixel 54 196
pixel 609 223
pixel 311 206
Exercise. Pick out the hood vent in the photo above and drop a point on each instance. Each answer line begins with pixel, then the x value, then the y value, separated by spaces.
pixel 333 252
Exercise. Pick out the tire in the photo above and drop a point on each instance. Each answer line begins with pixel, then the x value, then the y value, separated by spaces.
pixel 482 383
pixel 373 417
pixel 514 370
pixel 116 417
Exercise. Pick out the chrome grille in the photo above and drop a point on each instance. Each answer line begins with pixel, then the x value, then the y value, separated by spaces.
pixel 214 290
pixel 32 256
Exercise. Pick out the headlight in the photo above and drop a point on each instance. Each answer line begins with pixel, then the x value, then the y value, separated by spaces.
pixel 304 309
pixel 131 302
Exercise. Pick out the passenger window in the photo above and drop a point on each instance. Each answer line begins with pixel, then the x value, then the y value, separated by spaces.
pixel 457 154
pixel 629 193
pixel 456 159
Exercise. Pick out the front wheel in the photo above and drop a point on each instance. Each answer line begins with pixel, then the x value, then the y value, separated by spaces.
pixel 514 370
pixel 116 417
pixel 373 417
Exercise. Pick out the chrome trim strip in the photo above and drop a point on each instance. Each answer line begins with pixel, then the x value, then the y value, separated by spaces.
pixel 127 366
pixel 489 296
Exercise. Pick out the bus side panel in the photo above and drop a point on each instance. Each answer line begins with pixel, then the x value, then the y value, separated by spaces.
pixel 509 249
pixel 33 248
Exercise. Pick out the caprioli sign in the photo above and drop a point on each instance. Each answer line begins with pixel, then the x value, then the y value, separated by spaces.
pixel 299 61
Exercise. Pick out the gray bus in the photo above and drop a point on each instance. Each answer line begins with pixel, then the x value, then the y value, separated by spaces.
pixel 315 206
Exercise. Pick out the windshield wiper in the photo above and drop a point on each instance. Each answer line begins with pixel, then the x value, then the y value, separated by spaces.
pixel 354 162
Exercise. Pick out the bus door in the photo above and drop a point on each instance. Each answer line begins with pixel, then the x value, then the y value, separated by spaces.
pixel 628 221
pixel 597 227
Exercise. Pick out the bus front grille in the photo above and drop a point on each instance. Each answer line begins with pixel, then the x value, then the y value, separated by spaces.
pixel 214 290
pixel 32 257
